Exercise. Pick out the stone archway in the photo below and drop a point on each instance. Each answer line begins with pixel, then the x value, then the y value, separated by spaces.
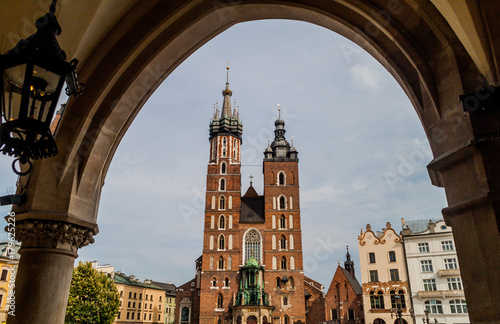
pixel 409 37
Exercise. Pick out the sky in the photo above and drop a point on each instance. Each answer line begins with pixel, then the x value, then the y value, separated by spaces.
pixel 362 150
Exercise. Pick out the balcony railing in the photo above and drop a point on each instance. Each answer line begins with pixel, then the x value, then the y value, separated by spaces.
pixel 441 293
pixel 448 272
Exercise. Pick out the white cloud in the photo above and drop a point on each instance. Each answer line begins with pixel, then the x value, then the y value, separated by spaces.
pixel 366 76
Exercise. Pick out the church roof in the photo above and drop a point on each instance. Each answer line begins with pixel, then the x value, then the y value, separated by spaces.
pixel 352 281
pixel 252 209
pixel 252 263
pixel 251 193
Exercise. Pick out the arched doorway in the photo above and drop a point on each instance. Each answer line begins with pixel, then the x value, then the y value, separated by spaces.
pixel 378 321
pixel 403 321
pixel 428 61
pixel 251 319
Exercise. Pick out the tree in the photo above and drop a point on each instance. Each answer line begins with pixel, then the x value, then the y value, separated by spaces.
pixel 93 297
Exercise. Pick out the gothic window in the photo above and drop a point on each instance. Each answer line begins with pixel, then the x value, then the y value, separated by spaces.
pixel 275 261
pixel 222 222
pixel 222 202
pixel 283 263
pixel 219 321
pixel 281 178
pixel 282 242
pixel 222 184
pixel 211 263
pixel 213 202
pixel 282 222
pixel 214 282
pixel 292 243
pixel 291 282
pixel 230 221
pixel 226 282
pixel 290 222
pixel 274 222
pixel 292 263
pixel 229 262
pixel 273 243
pixel 220 301
pixel 212 222
pixel 282 203
pixel 223 168
pixel 285 301
pixel 291 203
pixel 224 147
pixel 278 282
pixel 222 242
pixel 211 246
pixel 230 242
pixel 286 320
pixel 221 263
pixel 252 245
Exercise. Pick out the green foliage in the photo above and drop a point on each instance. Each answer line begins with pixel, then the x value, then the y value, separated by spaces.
pixel 93 297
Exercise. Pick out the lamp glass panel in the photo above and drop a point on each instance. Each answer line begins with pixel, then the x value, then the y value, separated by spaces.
pixel 11 97
pixel 51 78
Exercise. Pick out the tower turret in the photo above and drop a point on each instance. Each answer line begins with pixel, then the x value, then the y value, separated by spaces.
pixel 348 264
pixel 280 149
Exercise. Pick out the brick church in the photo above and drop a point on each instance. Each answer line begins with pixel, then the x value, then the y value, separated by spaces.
pixel 251 268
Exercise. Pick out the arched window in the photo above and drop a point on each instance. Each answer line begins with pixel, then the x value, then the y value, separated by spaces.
pixel 224 147
pixel 292 263
pixel 282 203
pixel 229 262
pixel 230 221
pixel 281 178
pixel 283 242
pixel 223 168
pixel 283 263
pixel 230 242
pixel 402 300
pixel 252 245
pixel 235 148
pixel 275 261
pixel 286 320
pixel 184 314
pixel 282 222
pixel 285 301
pixel 214 282
pixel 226 282
pixel 291 282
pixel 211 267
pixel 222 222
pixel 213 148
pixel 221 263
pixel 278 282
pixel 211 244
pixel 222 242
pixel 220 302
pixel 434 306
pixel 377 300
pixel 222 184
pixel 273 242
pixel 393 299
pixel 222 202
pixel 219 320
pixel 292 243
pixel 274 222
pixel 290 221
pixel 212 222
pixel 458 306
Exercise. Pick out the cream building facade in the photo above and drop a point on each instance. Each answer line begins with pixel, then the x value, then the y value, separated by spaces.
pixel 384 276
pixel 434 272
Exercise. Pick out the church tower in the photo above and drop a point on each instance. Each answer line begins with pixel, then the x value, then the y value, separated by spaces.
pixel 251 268
pixel 221 256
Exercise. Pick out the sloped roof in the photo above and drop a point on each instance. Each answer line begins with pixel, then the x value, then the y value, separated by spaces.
pixel 421 225
pixel 125 280
pixel 313 283
pixel 168 287
pixel 252 210
pixel 352 281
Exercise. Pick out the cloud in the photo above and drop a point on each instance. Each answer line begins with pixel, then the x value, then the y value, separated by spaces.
pixel 366 76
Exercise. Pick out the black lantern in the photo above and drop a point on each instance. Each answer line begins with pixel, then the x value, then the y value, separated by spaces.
pixel 32 75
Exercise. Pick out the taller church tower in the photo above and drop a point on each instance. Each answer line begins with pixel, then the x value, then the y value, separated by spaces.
pixel 251 267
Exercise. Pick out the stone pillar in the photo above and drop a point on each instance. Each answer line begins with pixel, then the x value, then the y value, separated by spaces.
pixel 48 252
pixel 470 174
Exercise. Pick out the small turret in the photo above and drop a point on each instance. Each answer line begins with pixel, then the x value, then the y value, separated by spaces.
pixel 280 149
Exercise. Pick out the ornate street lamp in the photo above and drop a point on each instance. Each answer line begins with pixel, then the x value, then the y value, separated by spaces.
pixel 398 312
pixel 32 75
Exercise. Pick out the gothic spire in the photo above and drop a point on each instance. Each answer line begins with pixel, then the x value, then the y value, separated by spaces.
pixel 348 264
pixel 226 104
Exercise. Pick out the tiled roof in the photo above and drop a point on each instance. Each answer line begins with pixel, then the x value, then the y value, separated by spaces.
pixel 419 226
pixel 352 281
pixel 123 279
pixel 311 282
pixel 168 287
